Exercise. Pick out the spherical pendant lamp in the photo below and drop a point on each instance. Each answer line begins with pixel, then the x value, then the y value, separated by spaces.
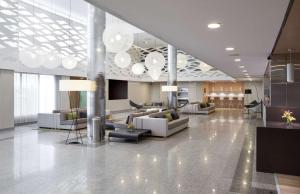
pixel 117 39
pixel 69 62
pixel 155 60
pixel 52 60
pixel 32 57
pixel 138 69
pixel 181 60
pixel 122 59
pixel 154 73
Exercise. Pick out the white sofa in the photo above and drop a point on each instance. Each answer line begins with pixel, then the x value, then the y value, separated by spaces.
pixel 160 126
pixel 196 109
pixel 59 121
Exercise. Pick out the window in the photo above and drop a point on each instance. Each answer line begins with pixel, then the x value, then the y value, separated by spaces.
pixel 46 94
pixel 33 93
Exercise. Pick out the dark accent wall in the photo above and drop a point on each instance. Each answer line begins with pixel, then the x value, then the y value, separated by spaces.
pixel 283 95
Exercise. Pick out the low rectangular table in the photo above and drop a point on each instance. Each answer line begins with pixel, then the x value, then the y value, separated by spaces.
pixel 135 134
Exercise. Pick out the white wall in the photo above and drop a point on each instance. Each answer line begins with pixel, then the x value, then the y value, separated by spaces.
pixel 195 91
pixel 6 99
pixel 138 92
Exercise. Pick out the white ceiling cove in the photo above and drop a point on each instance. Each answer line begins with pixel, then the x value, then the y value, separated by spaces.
pixel 250 26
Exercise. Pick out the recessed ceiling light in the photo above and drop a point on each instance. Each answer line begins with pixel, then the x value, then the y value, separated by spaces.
pixel 237 60
pixel 214 25
pixel 244 71
pixel 242 66
pixel 229 49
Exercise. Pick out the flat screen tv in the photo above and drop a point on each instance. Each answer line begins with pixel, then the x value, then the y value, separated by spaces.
pixel 248 91
pixel 117 89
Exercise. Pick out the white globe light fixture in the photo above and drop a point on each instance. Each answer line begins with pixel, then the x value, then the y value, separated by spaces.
pixel 117 39
pixel 154 73
pixel 181 60
pixel 155 60
pixel 69 62
pixel 122 59
pixel 204 67
pixel 32 57
pixel 138 69
pixel 52 60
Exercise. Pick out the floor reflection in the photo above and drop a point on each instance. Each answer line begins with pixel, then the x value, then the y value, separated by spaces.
pixel 215 155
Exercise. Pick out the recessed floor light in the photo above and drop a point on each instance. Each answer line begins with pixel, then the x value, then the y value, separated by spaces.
pixel 214 25
pixel 237 60
pixel 229 49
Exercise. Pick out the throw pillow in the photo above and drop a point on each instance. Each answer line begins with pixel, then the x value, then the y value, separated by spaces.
pixel 82 114
pixel 71 116
pixel 203 105
pixel 169 117
pixel 207 104
pixel 174 115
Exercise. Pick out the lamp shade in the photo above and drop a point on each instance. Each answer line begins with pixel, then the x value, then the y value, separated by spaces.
pixel 77 85
pixel 169 88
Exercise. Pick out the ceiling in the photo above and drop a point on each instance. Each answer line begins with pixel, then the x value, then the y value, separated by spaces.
pixel 251 27
pixel 289 37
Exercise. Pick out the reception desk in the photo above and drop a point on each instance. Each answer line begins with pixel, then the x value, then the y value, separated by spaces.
pixel 227 102
pixel 278 148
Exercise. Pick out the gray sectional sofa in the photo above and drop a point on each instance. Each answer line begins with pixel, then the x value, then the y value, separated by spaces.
pixel 159 125
pixel 195 108
pixel 59 120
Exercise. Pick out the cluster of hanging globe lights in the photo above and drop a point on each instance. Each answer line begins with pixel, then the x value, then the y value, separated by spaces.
pixel 117 39
pixel 35 56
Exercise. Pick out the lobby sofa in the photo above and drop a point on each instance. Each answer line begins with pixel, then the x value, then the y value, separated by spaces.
pixel 159 125
pixel 59 120
pixel 131 116
pixel 195 108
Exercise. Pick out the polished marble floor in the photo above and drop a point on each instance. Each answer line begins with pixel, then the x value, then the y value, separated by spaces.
pixel 216 154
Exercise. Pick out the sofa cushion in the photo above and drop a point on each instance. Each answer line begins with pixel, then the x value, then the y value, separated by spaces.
pixel 159 114
pixel 202 105
pixel 174 115
pixel 176 123
pixel 130 117
pixel 169 117
pixel 71 115
pixel 83 114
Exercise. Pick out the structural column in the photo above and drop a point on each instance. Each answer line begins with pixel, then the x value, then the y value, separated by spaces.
pixel 96 70
pixel 172 75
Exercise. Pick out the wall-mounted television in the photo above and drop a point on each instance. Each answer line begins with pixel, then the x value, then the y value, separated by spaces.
pixel 117 89
pixel 248 91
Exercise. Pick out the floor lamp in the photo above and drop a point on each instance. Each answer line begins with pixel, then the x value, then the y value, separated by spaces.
pixel 76 86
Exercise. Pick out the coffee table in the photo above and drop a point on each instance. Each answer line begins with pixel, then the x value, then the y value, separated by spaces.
pixel 130 134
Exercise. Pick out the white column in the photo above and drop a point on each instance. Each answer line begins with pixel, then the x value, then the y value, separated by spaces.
pixel 96 68
pixel 172 75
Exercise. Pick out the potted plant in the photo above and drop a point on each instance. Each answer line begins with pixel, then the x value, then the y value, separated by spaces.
pixel 288 117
